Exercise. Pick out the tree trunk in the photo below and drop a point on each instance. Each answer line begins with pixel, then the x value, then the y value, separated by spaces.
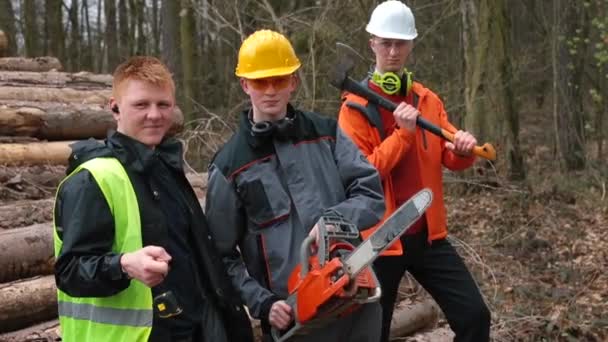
pixel 601 112
pixel 110 35
pixel 171 38
pixel 87 58
pixel 132 26
pixel 408 318
pixel 26 302
pixel 82 80
pixel 99 43
pixel 59 121
pixel 45 177
pixel 54 29
pixel 476 44
pixel 75 46
pixel 30 28
pixel 141 34
pixel 503 55
pixel 41 177
pixel 54 153
pixel 16 139
pixel 47 331
pixel 155 29
pixel 26 252
pixel 26 213
pixel 187 29
pixel 489 79
pixel 55 121
pixel 125 40
pixel 7 24
pixel 38 64
pixel 3 44
pixel 573 30
pixel 599 77
pixel 62 95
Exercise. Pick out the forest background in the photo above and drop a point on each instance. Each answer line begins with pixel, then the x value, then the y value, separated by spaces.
pixel 530 76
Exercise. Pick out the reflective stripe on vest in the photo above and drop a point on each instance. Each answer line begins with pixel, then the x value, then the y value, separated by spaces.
pixel 127 315
pixel 89 312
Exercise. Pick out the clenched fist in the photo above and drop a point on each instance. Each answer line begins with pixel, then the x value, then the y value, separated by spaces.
pixel 149 265
pixel 405 116
pixel 463 143
pixel 280 315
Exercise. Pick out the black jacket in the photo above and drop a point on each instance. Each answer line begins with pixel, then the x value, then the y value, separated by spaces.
pixel 171 217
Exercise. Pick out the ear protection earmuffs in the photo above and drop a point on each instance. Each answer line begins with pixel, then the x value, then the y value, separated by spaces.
pixel 268 128
pixel 391 83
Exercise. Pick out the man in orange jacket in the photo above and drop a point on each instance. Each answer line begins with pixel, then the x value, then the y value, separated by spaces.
pixel 409 159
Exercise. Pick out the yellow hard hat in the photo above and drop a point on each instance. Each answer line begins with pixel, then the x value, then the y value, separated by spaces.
pixel 266 53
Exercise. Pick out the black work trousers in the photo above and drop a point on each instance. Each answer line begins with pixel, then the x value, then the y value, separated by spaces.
pixel 164 335
pixel 442 273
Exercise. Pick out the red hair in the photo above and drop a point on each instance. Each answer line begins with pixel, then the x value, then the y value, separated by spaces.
pixel 142 68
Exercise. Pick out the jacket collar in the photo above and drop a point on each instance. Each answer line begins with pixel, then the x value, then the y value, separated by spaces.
pixel 139 157
pixel 245 125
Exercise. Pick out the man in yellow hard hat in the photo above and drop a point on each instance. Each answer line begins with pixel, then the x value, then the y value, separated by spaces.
pixel 271 182
pixel 408 160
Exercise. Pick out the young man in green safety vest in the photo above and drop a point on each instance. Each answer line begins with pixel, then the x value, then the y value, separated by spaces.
pixel 135 261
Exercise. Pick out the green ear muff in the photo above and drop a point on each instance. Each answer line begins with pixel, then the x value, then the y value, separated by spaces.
pixel 391 83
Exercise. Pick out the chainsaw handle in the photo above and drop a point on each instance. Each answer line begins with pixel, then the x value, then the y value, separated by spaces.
pixel 374 297
pixel 305 255
pixel 377 291
pixel 276 335
pixel 486 151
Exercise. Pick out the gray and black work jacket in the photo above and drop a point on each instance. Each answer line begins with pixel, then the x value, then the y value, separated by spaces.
pixel 265 193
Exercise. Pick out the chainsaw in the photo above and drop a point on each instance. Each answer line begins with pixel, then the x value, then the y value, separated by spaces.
pixel 338 279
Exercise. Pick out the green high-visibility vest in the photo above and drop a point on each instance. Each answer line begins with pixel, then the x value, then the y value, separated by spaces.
pixel 126 316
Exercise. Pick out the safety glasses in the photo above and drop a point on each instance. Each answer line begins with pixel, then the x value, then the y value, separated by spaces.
pixel 386 45
pixel 277 83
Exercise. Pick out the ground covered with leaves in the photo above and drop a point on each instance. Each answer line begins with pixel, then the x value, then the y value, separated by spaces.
pixel 539 257
pixel 539 254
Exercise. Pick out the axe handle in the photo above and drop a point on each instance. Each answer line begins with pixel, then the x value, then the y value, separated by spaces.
pixel 486 151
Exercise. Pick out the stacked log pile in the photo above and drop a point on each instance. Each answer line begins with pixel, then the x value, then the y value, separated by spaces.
pixel 43 111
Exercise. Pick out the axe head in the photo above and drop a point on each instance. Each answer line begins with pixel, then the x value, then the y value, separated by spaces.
pixel 344 64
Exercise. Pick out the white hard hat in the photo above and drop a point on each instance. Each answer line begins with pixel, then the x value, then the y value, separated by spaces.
pixel 394 20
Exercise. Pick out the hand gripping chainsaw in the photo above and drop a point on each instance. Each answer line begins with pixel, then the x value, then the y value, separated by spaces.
pixel 338 279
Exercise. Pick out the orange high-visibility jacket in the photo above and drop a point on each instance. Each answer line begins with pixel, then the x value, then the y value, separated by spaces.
pixel 384 155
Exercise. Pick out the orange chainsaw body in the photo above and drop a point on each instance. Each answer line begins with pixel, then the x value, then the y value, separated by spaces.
pixel 324 283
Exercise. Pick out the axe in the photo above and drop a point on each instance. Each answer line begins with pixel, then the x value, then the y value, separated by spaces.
pixel 342 81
